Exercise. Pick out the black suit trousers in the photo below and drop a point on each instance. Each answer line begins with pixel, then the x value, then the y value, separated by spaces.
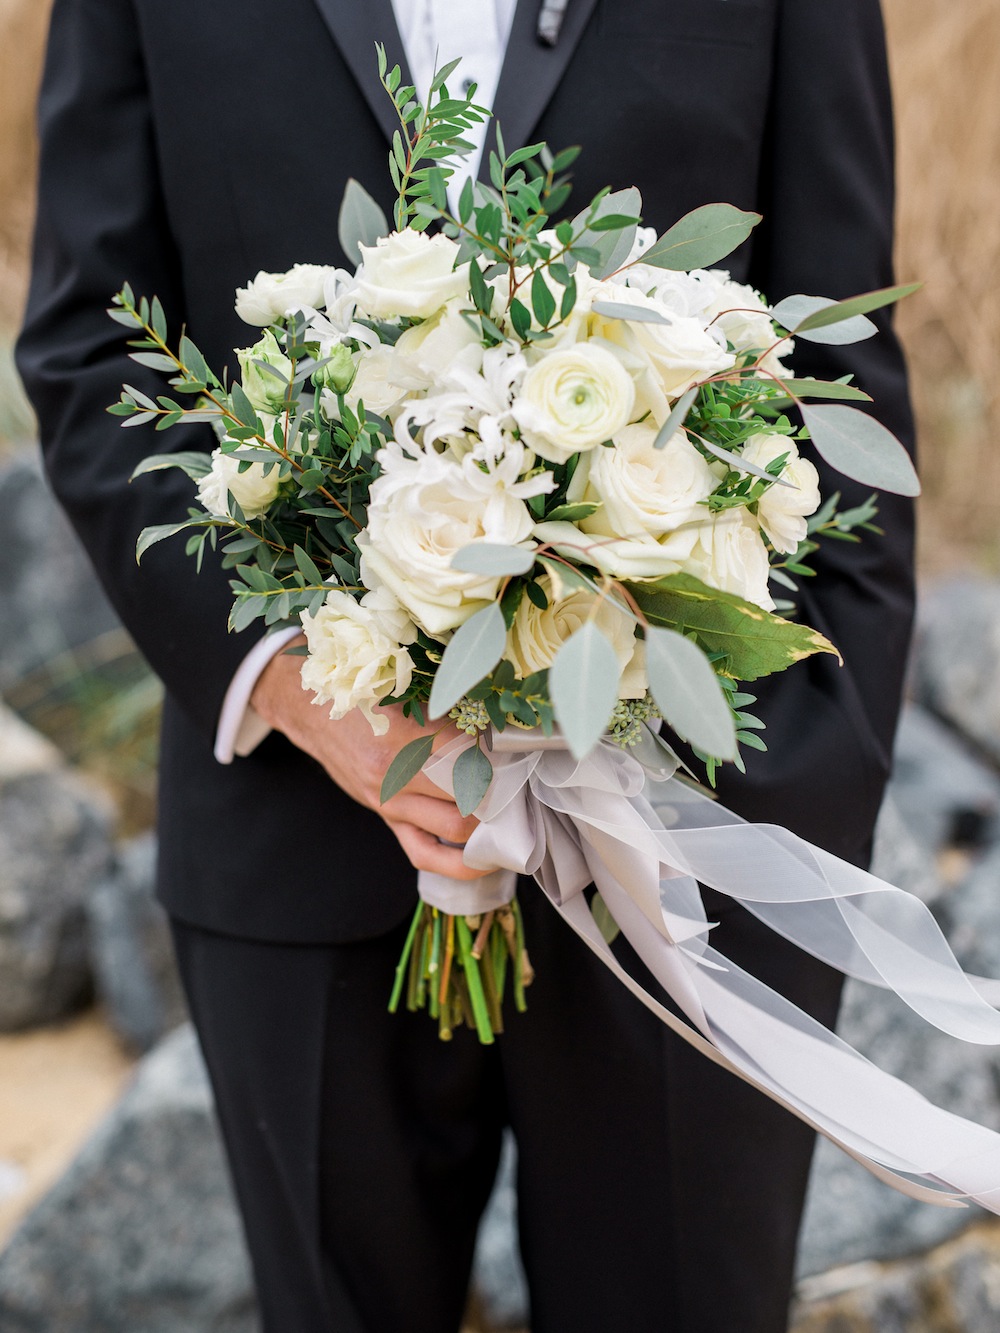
pixel 657 1193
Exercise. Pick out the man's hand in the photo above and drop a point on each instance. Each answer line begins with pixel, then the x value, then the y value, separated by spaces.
pixel 356 759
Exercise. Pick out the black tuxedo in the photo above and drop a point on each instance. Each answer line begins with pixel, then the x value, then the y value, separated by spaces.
pixel 186 146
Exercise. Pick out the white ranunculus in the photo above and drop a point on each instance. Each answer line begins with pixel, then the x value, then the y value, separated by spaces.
pixel 439 345
pixel 782 511
pixel 424 509
pixel 356 656
pixel 266 392
pixel 253 490
pixel 677 355
pixel 536 636
pixel 272 296
pixel 408 273
pixel 730 555
pixel 573 400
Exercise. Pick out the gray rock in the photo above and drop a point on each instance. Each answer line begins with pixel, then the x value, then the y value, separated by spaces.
pixel 132 956
pixel 971 917
pixel 957 657
pixel 900 858
pixel 942 790
pixel 141 1234
pixel 49 598
pixel 54 844
pixel 499 1287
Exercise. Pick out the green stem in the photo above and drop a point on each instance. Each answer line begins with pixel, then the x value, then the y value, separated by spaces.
pixel 475 984
pixel 404 958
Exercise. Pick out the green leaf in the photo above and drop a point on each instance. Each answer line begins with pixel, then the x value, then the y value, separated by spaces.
pixel 360 221
pixel 406 765
pixel 573 513
pixel 472 654
pixel 491 558
pixel 856 305
pixel 194 363
pixel 603 919
pixel 520 317
pixel 701 238
pixel 583 683
pixel 676 419
pixel 688 693
pixel 819 389
pixel 154 360
pixel 543 303
pixel 195 464
pixel 306 566
pixel 861 447
pixel 471 778
pixel 795 311
pixel 638 314
pixel 158 532
pixel 755 642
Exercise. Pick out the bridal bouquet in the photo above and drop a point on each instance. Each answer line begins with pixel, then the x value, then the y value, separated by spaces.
pixel 533 471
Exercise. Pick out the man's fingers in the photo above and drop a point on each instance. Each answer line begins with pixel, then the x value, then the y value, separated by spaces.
pixel 435 815
pixel 426 853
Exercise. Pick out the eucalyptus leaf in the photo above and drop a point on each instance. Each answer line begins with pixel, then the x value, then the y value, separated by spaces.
pixel 490 558
pixel 701 238
pixel 637 314
pixel 676 419
pixel 857 305
pixel 688 693
pixel 583 683
pixel 195 464
pixel 846 393
pixel 741 464
pixel 573 513
pixel 794 311
pixel 474 651
pixel 471 778
pixel 360 222
pixel 405 767
pixel 755 642
pixel 861 447
pixel 613 247
pixel 158 532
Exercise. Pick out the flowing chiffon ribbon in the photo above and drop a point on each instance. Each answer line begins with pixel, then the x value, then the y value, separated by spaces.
pixel 623 821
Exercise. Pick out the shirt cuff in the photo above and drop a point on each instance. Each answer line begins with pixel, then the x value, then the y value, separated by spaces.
pixel 241 729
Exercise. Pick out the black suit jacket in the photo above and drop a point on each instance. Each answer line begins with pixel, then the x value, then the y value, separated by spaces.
pixel 185 146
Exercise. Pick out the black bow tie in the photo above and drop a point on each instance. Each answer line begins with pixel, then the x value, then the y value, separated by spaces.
pixel 550 18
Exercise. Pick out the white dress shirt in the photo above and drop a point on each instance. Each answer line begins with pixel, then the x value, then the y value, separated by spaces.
pixel 433 33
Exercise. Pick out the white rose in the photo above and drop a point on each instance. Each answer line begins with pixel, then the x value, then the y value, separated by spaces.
pixel 377 381
pixel 253 490
pixel 742 317
pixel 676 355
pixel 536 636
pixel 782 511
pixel 730 555
pixel 408 273
pixel 572 400
pixel 421 512
pixel 355 657
pixel 440 344
pixel 272 296
pixel 266 392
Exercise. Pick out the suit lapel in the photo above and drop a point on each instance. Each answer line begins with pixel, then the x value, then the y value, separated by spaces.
pixel 356 25
pixel 531 72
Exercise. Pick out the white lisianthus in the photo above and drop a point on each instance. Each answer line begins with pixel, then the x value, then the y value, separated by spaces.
pixel 536 636
pixel 272 296
pixel 730 555
pixel 439 345
pixel 266 391
pixel 357 656
pixel 253 489
pixel 678 354
pixel 782 511
pixel 408 273
pixel 573 400
pixel 424 509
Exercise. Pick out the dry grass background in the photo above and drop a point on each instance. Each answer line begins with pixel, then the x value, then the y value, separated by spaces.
pixel 946 60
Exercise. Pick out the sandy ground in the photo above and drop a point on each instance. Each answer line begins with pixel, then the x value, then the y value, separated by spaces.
pixel 55 1085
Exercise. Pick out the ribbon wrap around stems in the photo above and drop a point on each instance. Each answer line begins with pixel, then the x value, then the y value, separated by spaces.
pixel 623 821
